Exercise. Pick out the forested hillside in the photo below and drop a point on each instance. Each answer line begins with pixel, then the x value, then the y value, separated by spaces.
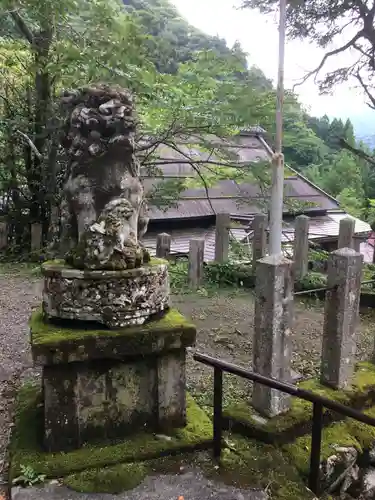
pixel 184 81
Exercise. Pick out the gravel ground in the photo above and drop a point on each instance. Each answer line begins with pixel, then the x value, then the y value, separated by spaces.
pixel 225 329
pixel 225 326
pixel 18 295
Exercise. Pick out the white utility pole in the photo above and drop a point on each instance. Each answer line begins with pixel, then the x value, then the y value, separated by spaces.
pixel 277 192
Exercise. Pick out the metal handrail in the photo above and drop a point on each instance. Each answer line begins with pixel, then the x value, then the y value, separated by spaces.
pixel 319 403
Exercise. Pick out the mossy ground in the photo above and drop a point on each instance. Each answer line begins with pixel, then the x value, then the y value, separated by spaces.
pixel 114 467
pixel 283 428
pixel 25 448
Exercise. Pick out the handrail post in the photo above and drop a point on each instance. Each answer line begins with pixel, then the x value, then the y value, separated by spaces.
pixel 316 444
pixel 218 411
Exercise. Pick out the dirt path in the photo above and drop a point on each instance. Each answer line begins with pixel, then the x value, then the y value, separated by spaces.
pixel 18 295
pixel 224 322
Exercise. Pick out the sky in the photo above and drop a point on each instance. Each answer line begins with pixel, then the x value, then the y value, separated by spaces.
pixel 258 35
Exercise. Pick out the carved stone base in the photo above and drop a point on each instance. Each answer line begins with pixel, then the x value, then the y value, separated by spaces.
pixel 113 298
pixel 106 384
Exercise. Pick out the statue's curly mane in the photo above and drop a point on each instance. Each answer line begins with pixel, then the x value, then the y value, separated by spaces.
pixel 99 119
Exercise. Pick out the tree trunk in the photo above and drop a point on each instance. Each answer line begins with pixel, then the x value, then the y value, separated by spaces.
pixel 37 176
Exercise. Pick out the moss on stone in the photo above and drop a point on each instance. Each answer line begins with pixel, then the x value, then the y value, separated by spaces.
pixel 26 449
pixel 254 464
pixel 363 433
pixel 113 479
pixel 296 421
pixel 67 341
pixel 48 332
pixel 337 434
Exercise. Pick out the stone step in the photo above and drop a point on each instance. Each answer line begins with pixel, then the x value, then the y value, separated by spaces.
pixel 191 485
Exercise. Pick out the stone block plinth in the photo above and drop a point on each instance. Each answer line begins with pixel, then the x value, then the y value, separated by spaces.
pixel 104 384
pixel 113 298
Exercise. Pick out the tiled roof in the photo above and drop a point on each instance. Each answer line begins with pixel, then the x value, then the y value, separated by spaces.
pixel 227 195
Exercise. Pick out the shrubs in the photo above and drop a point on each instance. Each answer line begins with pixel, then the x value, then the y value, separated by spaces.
pixel 311 281
pixel 227 274
pixel 234 275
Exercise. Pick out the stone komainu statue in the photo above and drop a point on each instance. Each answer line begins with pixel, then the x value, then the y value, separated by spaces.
pixel 104 212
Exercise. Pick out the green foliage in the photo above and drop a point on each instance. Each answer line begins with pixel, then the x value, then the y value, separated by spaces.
pixel 229 274
pixel 28 477
pixel 312 281
pixel 337 172
pixel 302 146
pixel 318 255
pixel 216 275
pixel 178 273
pixel 170 38
pixel 340 172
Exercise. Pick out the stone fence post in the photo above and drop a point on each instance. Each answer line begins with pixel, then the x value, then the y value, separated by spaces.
pixel 36 237
pixel 222 237
pixel 3 235
pixel 163 245
pixel 272 329
pixel 259 226
pixel 346 233
pixel 341 317
pixel 196 259
pixel 357 240
pixel 301 247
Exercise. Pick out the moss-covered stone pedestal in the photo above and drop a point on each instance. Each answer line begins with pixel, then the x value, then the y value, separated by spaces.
pixel 285 428
pixel 104 384
pixel 95 459
pixel 113 298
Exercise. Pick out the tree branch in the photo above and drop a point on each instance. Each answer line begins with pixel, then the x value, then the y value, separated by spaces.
pixel 359 152
pixel 30 143
pixel 175 148
pixel 22 26
pixel 366 89
pixel 329 54
pixel 168 161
